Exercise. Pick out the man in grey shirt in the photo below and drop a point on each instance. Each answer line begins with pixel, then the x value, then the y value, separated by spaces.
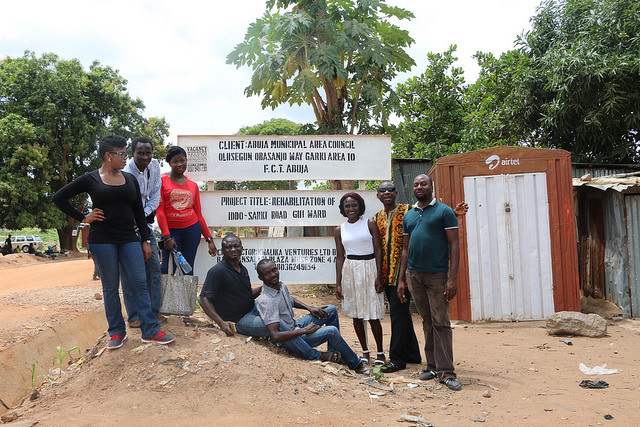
pixel 301 336
pixel 146 170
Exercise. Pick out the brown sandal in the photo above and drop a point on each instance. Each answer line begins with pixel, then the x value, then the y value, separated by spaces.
pixel 363 368
pixel 332 356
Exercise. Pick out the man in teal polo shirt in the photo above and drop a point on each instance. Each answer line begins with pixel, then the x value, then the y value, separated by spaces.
pixel 431 236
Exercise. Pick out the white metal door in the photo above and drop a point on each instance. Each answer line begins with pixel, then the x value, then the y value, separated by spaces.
pixel 508 247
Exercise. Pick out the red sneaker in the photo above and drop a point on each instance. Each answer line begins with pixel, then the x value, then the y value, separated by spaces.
pixel 116 341
pixel 160 338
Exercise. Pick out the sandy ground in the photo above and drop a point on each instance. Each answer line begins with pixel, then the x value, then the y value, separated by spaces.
pixel 514 372
pixel 38 293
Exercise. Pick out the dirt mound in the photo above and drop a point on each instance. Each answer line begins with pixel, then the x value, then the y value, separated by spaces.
pixel 238 378
pixel 601 307
pixel 27 313
pixel 21 259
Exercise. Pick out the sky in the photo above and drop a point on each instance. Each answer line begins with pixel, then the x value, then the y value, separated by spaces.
pixel 173 54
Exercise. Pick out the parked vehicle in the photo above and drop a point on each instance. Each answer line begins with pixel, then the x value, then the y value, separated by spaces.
pixel 21 243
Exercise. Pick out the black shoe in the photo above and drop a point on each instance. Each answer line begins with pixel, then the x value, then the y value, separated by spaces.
pixel 452 383
pixel 393 366
pixel 427 374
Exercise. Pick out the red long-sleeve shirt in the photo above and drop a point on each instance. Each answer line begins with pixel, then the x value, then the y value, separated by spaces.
pixel 180 206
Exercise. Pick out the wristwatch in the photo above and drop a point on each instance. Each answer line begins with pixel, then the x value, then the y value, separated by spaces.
pixel 148 241
pixel 209 239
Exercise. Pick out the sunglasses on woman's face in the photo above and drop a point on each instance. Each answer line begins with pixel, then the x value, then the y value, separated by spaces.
pixel 384 190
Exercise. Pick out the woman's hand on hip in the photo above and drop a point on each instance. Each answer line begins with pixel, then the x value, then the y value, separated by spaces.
pixel 95 215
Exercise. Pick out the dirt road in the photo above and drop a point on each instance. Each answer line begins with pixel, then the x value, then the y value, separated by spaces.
pixel 36 294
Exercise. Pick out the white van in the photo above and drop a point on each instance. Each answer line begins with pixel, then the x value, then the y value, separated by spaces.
pixel 21 243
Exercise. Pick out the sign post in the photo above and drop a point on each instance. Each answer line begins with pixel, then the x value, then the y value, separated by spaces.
pixel 268 158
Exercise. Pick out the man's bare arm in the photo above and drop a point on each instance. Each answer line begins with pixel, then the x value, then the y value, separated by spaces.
pixel 208 307
pixel 278 336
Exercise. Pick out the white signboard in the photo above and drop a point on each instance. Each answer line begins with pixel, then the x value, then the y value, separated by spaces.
pixel 278 208
pixel 276 157
pixel 301 260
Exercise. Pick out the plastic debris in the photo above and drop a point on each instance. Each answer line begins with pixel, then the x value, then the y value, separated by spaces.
pixel 415 417
pixel 597 370
pixel 594 384
pixel 228 357
pixel 139 349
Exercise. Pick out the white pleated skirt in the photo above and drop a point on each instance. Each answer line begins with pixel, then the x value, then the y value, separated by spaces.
pixel 358 288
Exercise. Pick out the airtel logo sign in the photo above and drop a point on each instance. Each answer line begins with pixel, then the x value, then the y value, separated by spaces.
pixel 494 160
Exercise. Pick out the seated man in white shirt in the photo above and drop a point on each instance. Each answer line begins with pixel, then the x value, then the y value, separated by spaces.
pixel 301 336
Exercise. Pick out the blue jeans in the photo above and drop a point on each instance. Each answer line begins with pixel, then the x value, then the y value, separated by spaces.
pixel 303 345
pixel 251 324
pixel 152 269
pixel 187 240
pixel 110 257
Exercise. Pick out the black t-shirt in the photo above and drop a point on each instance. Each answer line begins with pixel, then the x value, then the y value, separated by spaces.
pixel 229 291
pixel 121 204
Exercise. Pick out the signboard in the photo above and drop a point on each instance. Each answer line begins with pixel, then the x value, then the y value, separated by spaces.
pixel 308 260
pixel 278 208
pixel 276 157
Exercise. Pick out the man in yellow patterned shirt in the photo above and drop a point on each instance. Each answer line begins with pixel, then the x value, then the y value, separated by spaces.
pixel 404 347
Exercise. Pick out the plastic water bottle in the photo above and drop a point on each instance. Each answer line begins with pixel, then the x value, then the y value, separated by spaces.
pixel 184 265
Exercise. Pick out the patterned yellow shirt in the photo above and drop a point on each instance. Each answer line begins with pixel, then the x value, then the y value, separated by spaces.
pixel 390 227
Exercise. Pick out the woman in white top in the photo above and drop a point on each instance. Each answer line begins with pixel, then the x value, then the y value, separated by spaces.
pixel 358 268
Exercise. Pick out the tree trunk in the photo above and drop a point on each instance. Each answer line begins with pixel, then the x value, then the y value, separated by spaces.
pixel 67 240
pixel 345 184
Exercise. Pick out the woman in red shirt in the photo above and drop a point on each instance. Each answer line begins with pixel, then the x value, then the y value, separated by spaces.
pixel 179 215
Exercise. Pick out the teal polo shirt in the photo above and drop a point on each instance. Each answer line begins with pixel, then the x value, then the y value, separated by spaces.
pixel 428 244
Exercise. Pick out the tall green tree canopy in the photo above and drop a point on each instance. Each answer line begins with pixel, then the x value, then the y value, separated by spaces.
pixel 338 56
pixel 572 82
pixel 53 113
pixel 583 78
pixel 433 108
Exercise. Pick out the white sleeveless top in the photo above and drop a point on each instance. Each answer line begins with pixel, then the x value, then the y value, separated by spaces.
pixel 356 238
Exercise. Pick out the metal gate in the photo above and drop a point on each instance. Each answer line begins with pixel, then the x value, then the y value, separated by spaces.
pixel 508 247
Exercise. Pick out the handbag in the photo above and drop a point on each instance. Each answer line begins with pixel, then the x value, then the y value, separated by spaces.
pixel 178 292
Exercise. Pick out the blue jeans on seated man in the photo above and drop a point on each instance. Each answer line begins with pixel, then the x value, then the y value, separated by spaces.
pixel 303 345
pixel 152 269
pixel 110 257
pixel 251 323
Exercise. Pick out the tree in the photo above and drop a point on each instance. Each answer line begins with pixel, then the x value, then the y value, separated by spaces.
pixel 494 100
pixel 268 127
pixel 52 115
pixel 571 83
pixel 581 78
pixel 338 56
pixel 433 109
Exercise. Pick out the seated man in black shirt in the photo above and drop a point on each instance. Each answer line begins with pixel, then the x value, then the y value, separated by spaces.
pixel 227 296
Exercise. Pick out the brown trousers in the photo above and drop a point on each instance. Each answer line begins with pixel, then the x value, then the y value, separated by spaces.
pixel 427 290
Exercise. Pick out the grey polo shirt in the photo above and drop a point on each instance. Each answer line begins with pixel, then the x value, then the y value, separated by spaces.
pixel 275 305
